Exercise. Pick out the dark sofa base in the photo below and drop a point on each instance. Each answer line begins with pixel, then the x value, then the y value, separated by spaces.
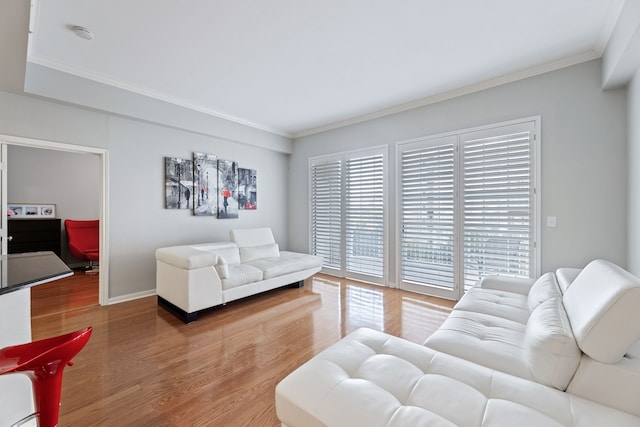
pixel 192 317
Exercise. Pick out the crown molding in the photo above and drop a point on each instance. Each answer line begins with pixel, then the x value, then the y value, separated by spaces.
pixel 466 90
pixel 476 87
pixel 150 94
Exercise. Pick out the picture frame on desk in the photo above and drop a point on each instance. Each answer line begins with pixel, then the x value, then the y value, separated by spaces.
pixel 31 210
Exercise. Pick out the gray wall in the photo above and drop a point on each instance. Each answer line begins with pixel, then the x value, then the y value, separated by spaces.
pixel 634 175
pixel 69 180
pixel 584 148
pixel 138 221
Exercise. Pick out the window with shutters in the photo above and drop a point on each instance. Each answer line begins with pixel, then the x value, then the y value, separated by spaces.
pixel 497 202
pixel 428 235
pixel 326 211
pixel 348 214
pixel 467 207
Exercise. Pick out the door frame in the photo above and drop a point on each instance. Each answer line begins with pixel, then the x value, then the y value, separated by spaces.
pixel 103 277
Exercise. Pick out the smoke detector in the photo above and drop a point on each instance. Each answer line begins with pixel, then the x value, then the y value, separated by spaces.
pixel 82 32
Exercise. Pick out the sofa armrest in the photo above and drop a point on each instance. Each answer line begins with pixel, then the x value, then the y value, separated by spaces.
pixel 189 290
pixel 186 257
pixel 508 284
pixel 192 257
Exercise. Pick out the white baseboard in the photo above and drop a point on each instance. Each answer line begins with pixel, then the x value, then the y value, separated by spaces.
pixel 131 297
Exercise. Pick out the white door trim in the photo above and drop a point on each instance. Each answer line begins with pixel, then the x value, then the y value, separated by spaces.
pixel 103 294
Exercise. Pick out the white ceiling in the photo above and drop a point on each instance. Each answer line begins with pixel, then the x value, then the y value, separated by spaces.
pixel 297 66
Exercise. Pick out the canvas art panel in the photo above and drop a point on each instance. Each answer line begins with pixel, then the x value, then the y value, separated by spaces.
pixel 178 183
pixel 227 189
pixel 205 173
pixel 247 189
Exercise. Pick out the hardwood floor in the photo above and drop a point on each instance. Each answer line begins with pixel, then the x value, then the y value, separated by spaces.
pixel 58 297
pixel 143 367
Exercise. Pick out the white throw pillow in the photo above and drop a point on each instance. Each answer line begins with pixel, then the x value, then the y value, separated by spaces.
pixel 252 253
pixel 222 268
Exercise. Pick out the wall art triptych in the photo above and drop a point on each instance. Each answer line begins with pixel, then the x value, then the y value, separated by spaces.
pixel 205 184
pixel 209 186
pixel 247 189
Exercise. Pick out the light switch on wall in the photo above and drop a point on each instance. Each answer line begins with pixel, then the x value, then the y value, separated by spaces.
pixel 551 221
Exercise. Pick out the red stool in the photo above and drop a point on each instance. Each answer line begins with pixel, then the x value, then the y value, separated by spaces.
pixel 43 361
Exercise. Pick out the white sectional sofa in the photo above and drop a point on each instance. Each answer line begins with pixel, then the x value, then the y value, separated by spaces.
pixel 559 351
pixel 192 278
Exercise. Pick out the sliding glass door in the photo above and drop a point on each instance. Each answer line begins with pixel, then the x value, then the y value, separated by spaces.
pixel 348 214
pixel 428 234
pixel 466 208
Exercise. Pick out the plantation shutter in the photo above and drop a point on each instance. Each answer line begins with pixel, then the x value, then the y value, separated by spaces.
pixel 498 202
pixel 326 212
pixel 427 203
pixel 364 216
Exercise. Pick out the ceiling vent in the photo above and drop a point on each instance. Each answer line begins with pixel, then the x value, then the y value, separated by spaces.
pixel 82 32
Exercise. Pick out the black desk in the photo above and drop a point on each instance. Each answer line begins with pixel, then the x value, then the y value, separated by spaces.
pixel 19 271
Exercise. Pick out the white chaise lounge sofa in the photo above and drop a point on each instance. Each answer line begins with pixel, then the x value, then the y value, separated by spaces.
pixel 559 351
pixel 192 278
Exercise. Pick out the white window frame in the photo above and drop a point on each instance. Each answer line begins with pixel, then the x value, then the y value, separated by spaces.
pixel 458 286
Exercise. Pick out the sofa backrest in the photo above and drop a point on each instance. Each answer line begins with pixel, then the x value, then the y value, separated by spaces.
pixel 551 350
pixel 230 254
pixel 252 236
pixel 603 306
pixel 255 243
pixel 544 288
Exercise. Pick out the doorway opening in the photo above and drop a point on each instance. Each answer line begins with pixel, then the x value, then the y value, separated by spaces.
pixel 99 194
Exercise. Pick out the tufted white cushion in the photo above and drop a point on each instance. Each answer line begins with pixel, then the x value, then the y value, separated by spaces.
pixel 484 339
pixel 550 348
pixel 371 379
pixel 252 253
pixel 603 306
pixel 494 328
pixel 507 305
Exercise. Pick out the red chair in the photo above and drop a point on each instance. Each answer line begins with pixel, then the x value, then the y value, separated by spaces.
pixel 84 240
pixel 43 361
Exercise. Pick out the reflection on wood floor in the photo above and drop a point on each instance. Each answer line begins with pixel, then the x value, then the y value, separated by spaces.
pixel 143 367
pixel 65 295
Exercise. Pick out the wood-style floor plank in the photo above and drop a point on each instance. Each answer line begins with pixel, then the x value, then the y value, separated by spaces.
pixel 143 367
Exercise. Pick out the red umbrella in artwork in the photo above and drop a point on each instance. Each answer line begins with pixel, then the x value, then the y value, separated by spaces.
pixel 226 193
